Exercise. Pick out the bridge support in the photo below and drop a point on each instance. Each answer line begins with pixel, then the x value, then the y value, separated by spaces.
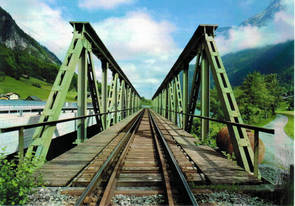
pixel 204 97
pixel 203 47
pixel 185 94
pixel 104 91
pixel 85 42
pixel 82 97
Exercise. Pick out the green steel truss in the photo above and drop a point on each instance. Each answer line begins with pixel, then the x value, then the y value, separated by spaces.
pixel 112 101
pixel 203 47
pixel 194 92
pixel 179 100
pixel 85 42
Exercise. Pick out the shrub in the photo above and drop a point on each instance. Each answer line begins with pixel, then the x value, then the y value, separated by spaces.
pixel 36 85
pixel 16 181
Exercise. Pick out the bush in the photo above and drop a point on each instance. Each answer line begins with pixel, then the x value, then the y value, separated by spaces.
pixel 36 85
pixel 16 181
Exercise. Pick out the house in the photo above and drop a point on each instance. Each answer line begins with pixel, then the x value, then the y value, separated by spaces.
pixel 9 96
pixel 33 98
pixel 3 97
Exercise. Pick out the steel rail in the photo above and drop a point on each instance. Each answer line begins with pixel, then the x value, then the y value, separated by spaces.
pixel 109 190
pixel 28 126
pixel 163 165
pixel 95 179
pixel 174 165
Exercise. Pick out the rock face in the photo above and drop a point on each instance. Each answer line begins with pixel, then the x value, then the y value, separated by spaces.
pixel 223 141
pixel 13 37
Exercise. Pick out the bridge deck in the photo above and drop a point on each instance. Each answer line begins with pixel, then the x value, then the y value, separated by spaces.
pixel 61 170
pixel 215 167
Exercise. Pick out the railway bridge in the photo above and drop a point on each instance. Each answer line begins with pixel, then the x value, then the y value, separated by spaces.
pixel 142 151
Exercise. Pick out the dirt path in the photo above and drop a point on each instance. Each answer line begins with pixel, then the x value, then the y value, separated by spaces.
pixel 279 147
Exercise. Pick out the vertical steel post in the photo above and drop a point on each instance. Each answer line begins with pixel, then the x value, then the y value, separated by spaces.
pixel 104 92
pixel 185 94
pixel 157 104
pixel 21 144
pixel 125 100
pixel 82 98
pixel 204 96
pixel 169 101
pixel 122 96
pixel 175 102
pixel 116 100
pixel 129 101
pixel 133 104
pixel 132 101
pixel 165 102
pixel 256 153
pixel 161 103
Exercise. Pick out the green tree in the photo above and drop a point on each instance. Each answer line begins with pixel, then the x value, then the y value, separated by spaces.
pixel 275 90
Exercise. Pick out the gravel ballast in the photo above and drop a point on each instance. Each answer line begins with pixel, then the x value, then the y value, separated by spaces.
pixel 226 198
pixel 50 196
pixel 124 200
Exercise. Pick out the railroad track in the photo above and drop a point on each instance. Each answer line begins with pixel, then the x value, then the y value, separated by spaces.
pixel 139 163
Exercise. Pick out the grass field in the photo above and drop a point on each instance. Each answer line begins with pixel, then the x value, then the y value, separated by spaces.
pixel 265 121
pixel 289 128
pixel 24 87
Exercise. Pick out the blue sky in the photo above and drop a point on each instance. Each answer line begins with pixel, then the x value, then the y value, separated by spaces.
pixel 146 36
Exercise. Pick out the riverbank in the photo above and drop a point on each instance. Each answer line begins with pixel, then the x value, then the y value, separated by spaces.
pixel 279 147
pixel 289 127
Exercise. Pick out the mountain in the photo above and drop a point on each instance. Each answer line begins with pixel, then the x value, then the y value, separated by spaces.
pixel 13 37
pixel 23 56
pixel 265 16
pixel 260 19
pixel 278 58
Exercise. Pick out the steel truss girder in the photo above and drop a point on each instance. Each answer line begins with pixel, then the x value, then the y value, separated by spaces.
pixel 241 144
pixel 209 58
pixel 77 53
pixel 84 42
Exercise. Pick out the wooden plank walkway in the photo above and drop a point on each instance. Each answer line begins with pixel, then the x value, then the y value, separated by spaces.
pixel 61 170
pixel 214 165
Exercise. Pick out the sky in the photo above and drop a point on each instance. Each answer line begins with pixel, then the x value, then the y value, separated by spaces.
pixel 146 36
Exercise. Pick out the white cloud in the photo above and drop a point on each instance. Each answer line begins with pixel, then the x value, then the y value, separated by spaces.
pixel 279 30
pixel 102 4
pixel 137 34
pixel 43 23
